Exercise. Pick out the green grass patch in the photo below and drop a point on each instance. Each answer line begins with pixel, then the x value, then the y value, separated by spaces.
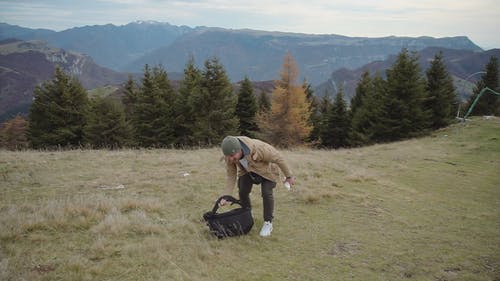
pixel 102 91
pixel 421 209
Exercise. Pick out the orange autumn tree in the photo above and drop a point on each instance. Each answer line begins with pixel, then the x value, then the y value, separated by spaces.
pixel 287 123
pixel 13 134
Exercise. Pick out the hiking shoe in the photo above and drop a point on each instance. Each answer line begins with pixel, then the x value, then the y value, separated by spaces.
pixel 267 228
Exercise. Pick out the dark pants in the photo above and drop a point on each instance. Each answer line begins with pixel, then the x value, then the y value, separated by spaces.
pixel 245 184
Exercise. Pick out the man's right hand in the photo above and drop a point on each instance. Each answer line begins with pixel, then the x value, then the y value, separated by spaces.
pixel 223 202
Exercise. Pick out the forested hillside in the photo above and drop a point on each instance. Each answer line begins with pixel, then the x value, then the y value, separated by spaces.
pixel 204 108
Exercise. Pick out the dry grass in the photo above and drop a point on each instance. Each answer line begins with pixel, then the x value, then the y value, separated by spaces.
pixel 424 209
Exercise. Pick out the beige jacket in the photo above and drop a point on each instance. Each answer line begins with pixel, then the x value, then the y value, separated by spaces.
pixel 263 159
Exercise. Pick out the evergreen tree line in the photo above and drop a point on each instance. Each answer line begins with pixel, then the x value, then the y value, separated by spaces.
pixel 150 113
pixel 408 103
pixel 203 109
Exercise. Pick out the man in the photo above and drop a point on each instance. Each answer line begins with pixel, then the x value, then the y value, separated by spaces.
pixel 251 161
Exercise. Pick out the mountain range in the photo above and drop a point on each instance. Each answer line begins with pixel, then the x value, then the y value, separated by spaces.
pixel 106 54
pixel 243 52
pixel 26 64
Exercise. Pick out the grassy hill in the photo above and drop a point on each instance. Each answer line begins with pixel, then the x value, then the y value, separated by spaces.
pixel 423 209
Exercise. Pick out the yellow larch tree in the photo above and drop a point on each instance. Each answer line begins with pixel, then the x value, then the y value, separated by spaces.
pixel 287 123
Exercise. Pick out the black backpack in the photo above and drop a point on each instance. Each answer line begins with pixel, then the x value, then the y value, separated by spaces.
pixel 235 222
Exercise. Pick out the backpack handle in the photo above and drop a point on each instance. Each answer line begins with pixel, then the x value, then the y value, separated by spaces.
pixel 227 198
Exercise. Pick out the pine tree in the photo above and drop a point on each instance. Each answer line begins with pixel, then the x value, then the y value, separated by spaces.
pixel 184 105
pixel 338 125
pixel 442 100
pixel 263 102
pixel 375 111
pixel 367 124
pixel 164 124
pixel 320 127
pixel 308 90
pixel 214 105
pixel 130 97
pixel 362 89
pixel 144 111
pixel 287 124
pixel 319 109
pixel 360 105
pixel 314 117
pixel 153 112
pixel 106 125
pixel 488 103
pixel 405 115
pixel 58 113
pixel 246 109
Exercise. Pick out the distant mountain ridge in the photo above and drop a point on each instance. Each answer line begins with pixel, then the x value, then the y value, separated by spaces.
pixel 459 63
pixel 259 54
pixel 25 64
pixel 109 45
pixel 244 52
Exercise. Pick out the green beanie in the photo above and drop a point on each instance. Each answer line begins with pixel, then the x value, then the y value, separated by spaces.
pixel 230 145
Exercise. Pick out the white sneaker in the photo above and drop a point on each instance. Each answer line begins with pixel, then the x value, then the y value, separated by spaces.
pixel 267 228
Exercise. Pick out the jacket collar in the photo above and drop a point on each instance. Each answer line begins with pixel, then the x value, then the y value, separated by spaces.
pixel 246 151
pixel 245 148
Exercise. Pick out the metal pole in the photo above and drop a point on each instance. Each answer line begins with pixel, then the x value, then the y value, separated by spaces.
pixel 463 83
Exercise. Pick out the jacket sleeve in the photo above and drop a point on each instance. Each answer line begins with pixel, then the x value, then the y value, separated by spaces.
pixel 231 177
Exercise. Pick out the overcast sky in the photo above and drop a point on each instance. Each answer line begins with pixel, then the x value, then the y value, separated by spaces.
pixel 477 19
